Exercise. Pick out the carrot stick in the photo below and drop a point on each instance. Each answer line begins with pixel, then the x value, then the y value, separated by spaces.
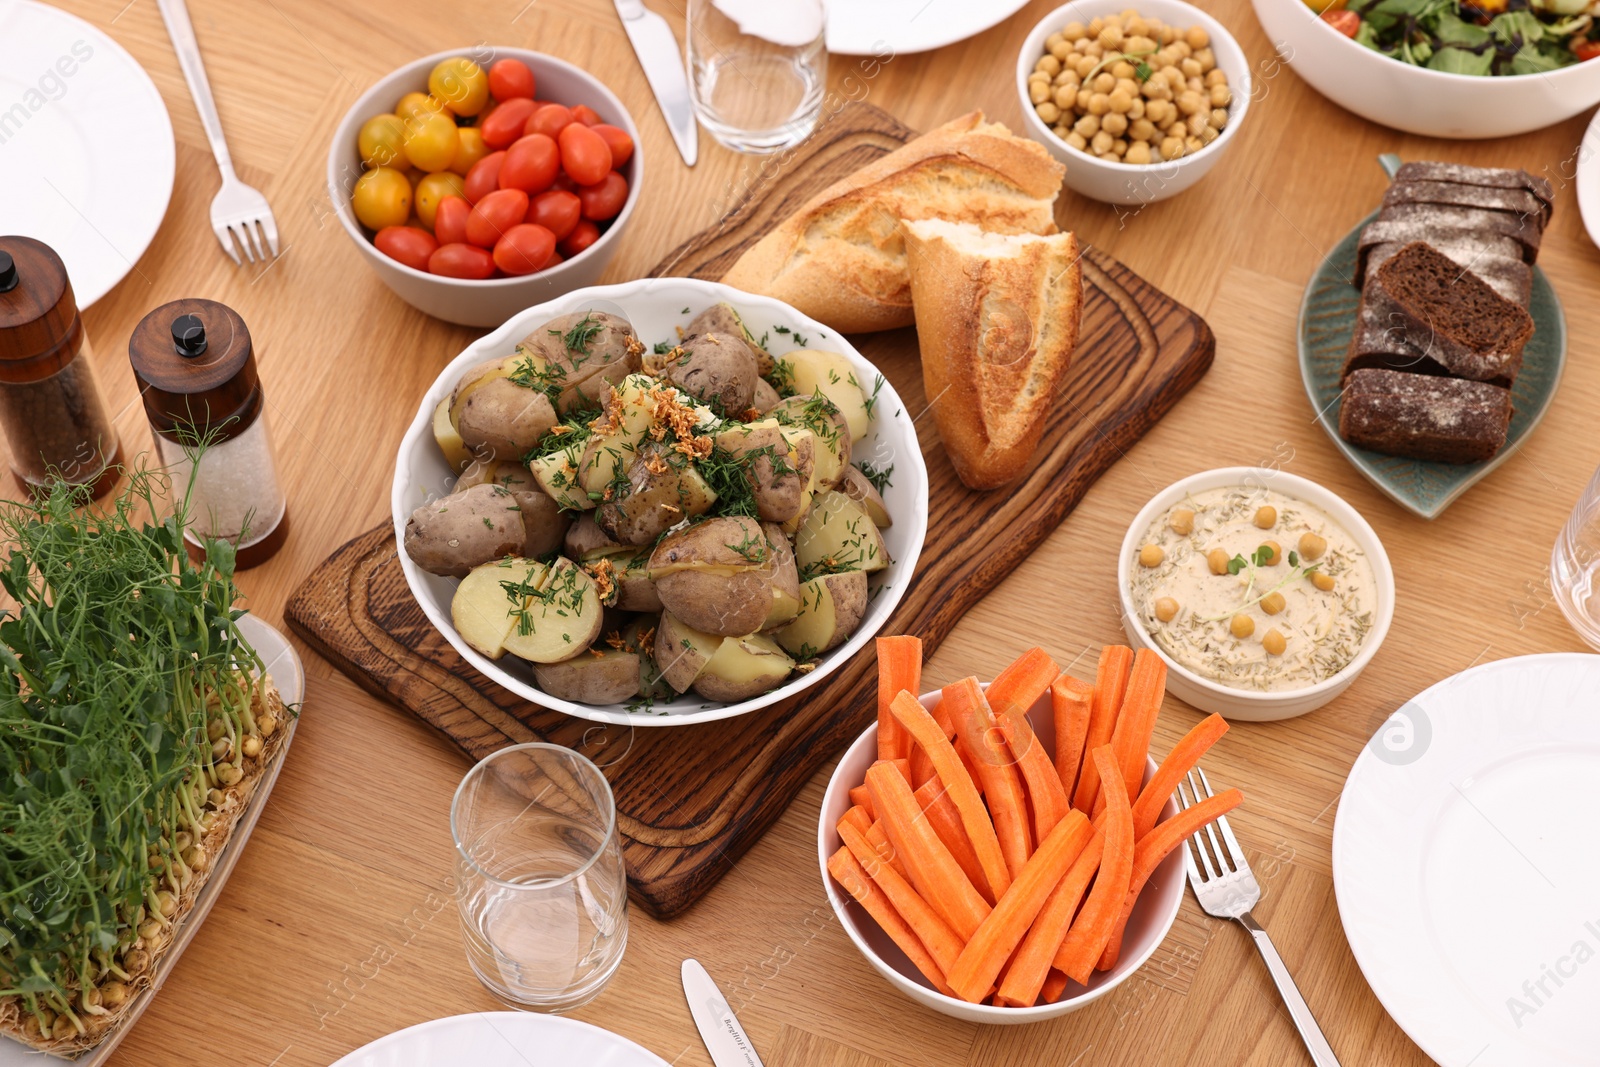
pixel 1002 784
pixel 1153 849
pixel 1045 795
pixel 901 765
pixel 922 771
pixel 968 762
pixel 1179 762
pixel 853 877
pixel 899 671
pixel 860 798
pixel 934 799
pixel 931 738
pixel 972 976
pixel 934 933
pixel 857 817
pixel 1054 986
pixel 1136 722
pixel 1029 972
pixel 1090 931
pixel 929 865
pixel 1110 682
pixel 1070 700
pixel 1023 682
pixel 880 841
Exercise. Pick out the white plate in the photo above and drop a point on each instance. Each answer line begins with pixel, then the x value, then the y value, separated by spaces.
pixel 502 1039
pixel 1587 178
pixel 284 668
pixel 86 151
pixel 886 28
pixel 1465 859
pixel 657 307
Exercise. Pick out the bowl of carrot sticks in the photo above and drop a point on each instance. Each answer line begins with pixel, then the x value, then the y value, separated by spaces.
pixel 1008 852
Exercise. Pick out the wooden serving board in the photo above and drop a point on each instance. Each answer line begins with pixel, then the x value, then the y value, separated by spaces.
pixel 692 799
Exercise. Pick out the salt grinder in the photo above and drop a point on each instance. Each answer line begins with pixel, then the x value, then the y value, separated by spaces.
pixel 197 371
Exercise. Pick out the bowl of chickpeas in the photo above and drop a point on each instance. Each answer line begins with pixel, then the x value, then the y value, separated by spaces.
pixel 1139 104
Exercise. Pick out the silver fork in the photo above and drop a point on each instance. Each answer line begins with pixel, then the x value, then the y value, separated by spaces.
pixel 237 209
pixel 1228 890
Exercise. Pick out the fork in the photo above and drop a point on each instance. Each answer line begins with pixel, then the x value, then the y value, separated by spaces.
pixel 1228 890
pixel 238 208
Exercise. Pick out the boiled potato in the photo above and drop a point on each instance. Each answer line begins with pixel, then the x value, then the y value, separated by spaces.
pixel 623 423
pixel 744 667
pixel 766 397
pixel 717 369
pixel 599 676
pixel 558 618
pixel 722 318
pixel 813 371
pixel 481 610
pixel 577 355
pixel 831 607
pixel 859 487
pixel 681 652
pixel 585 541
pixel 716 575
pixel 454 534
pixel 778 471
pixel 503 419
pixel 639 638
pixel 476 376
pixel 837 535
pixel 557 475
pixel 624 578
pixel 785 578
pixel 456 452
pixel 663 489
pixel 828 428
pixel 542 518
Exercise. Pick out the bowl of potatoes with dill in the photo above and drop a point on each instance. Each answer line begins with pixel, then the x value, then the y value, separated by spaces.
pixel 1139 103
pixel 662 502
pixel 1266 594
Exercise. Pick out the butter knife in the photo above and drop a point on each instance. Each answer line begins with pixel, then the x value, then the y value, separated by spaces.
pixel 664 68
pixel 725 1039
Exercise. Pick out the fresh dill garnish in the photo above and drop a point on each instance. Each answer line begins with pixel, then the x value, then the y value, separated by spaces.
pixel 879 478
pixel 577 339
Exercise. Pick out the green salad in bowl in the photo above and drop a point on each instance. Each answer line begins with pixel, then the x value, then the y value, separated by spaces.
pixel 1492 37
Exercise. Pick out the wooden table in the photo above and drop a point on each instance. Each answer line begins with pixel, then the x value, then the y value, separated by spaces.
pixel 339 925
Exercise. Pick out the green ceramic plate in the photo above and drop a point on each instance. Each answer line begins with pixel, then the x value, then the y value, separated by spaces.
pixel 1327 318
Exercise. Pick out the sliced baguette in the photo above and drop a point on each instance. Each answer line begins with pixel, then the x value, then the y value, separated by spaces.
pixel 840 257
pixel 997 320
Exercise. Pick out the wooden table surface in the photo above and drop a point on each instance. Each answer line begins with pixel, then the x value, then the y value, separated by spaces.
pixel 339 925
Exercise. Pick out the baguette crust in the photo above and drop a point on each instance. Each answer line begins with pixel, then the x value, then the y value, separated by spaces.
pixel 841 259
pixel 997 320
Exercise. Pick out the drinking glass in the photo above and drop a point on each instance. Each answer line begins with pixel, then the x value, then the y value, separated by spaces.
pixel 757 70
pixel 539 876
pixel 1575 565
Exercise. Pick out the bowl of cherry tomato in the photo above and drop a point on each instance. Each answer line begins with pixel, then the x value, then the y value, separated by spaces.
pixel 478 184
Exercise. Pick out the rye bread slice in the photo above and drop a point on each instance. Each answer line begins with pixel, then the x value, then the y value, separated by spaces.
pixel 1498 177
pixel 1471 244
pixel 1376 342
pixel 1460 194
pixel 1419 416
pixel 1525 230
pixel 1506 275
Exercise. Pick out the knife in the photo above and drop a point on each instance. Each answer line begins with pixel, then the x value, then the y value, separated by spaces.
pixel 658 54
pixel 725 1039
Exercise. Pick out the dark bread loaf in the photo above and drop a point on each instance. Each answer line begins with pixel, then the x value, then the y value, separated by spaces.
pixel 1473 244
pixel 1419 416
pixel 1507 275
pixel 1496 177
pixel 1526 230
pixel 1458 194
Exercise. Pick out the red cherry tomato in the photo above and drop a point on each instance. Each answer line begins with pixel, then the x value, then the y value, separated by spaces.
pixel 484 177
pixel 585 114
pixel 582 236
pixel 510 79
pixel 505 123
pixel 532 163
pixel 618 141
pixel 1586 50
pixel 1346 22
pixel 605 198
pixel 564 183
pixel 496 213
pixel 461 261
pixel 410 245
pixel 524 249
pixel 450 221
pixel 557 211
pixel 548 119
pixel 584 155
pixel 555 257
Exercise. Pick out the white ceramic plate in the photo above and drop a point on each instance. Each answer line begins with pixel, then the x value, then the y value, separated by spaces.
pixel 657 308
pixel 502 1039
pixel 886 28
pixel 86 151
pixel 1465 859
pixel 284 668
pixel 1587 173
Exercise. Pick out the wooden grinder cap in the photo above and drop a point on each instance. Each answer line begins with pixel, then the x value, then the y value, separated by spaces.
pixel 40 331
pixel 196 369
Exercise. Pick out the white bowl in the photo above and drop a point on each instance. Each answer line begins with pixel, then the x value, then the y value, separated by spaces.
pixel 1152 917
pixel 1244 704
pixel 464 300
pixel 657 307
pixel 1126 183
pixel 1416 99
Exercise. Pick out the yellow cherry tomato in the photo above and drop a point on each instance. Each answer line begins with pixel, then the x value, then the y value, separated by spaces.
pixel 470 150
pixel 413 105
pixel 382 197
pixel 434 188
pixel 383 142
pixel 461 84
pixel 431 142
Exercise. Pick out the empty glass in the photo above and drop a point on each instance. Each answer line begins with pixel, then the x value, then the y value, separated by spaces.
pixel 757 70
pixel 1575 565
pixel 539 875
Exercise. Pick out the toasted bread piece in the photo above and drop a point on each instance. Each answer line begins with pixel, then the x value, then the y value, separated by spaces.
pixel 997 319
pixel 841 259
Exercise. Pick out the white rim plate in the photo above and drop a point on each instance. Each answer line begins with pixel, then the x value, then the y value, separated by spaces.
pixel 86 149
pixel 1465 860
pixel 1588 178
pixel 886 28
pixel 502 1039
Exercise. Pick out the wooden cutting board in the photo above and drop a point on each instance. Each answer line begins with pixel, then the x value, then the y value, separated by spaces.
pixel 692 799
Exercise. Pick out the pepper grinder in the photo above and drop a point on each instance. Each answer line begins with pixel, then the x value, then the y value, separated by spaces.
pixel 50 406
pixel 197 371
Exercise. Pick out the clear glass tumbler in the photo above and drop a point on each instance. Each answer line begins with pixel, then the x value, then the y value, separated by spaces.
pixel 757 70
pixel 539 877
pixel 1575 565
